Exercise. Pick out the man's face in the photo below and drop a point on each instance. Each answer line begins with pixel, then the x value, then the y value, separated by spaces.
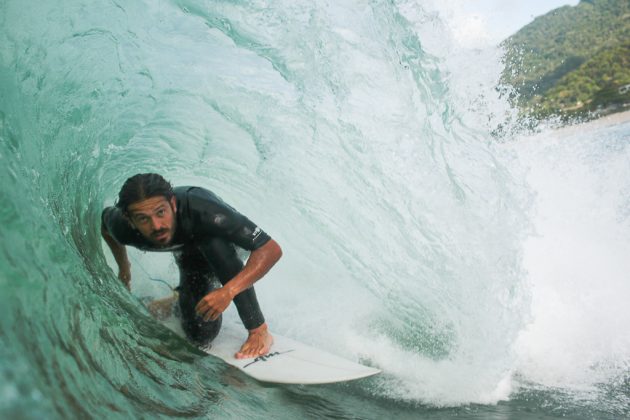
pixel 154 218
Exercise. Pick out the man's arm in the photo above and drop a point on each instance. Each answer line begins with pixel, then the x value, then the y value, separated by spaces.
pixel 259 263
pixel 120 255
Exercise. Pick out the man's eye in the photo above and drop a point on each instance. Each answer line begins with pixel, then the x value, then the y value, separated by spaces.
pixel 142 220
pixel 160 213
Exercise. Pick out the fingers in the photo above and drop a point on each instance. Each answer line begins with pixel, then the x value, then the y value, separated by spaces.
pixel 211 315
pixel 203 306
pixel 205 309
pixel 125 277
pixel 212 305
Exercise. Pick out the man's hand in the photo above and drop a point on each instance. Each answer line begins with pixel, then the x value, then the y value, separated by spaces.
pixel 124 274
pixel 120 255
pixel 258 264
pixel 214 303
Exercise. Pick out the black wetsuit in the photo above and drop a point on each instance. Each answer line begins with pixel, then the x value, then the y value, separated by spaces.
pixel 203 244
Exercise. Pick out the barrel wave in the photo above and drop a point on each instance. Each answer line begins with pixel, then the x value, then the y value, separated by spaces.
pixel 338 128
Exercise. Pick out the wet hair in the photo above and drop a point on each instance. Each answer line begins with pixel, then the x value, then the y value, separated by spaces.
pixel 142 186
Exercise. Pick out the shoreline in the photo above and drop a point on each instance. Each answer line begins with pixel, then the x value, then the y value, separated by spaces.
pixel 605 121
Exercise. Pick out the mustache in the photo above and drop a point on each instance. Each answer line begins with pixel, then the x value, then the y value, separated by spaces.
pixel 157 233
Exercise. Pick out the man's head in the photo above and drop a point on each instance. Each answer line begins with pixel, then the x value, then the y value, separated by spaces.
pixel 148 202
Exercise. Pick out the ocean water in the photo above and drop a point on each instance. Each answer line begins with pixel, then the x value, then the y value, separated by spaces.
pixel 486 276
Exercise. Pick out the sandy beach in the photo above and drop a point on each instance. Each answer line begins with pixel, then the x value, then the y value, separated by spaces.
pixel 608 120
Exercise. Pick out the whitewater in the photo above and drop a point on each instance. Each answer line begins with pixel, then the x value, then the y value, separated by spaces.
pixel 483 270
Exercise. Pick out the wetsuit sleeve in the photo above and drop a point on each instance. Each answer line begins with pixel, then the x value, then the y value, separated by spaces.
pixel 244 232
pixel 216 218
pixel 113 220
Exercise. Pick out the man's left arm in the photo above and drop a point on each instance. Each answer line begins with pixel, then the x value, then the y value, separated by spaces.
pixel 259 263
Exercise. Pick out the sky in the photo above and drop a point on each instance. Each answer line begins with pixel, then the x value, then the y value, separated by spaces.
pixel 478 23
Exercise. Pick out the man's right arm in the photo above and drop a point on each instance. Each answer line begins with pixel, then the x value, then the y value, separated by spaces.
pixel 120 255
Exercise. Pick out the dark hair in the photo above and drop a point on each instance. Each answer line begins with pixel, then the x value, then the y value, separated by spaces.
pixel 142 186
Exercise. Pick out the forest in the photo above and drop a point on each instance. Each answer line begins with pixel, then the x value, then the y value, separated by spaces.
pixel 573 61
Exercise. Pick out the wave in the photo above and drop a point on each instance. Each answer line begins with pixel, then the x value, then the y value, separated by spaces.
pixel 341 129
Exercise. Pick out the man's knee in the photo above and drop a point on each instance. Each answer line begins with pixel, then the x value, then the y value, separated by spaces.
pixel 197 330
pixel 201 332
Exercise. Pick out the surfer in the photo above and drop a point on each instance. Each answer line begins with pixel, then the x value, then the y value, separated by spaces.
pixel 201 231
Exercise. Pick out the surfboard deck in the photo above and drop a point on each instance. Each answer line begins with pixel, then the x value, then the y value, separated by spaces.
pixel 288 362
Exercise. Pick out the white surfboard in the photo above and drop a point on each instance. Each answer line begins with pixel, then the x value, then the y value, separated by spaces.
pixel 288 362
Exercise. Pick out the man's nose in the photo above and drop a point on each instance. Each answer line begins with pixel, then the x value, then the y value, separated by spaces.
pixel 156 223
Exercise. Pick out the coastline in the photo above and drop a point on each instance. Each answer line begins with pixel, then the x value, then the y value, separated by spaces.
pixel 605 121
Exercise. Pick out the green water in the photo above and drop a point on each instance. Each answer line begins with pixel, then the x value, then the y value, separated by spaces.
pixel 344 131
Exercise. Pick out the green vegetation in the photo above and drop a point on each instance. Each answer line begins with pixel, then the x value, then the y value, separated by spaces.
pixel 572 60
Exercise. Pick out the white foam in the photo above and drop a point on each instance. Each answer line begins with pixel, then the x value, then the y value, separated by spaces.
pixel 578 262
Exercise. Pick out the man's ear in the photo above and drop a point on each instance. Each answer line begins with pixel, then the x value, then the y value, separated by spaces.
pixel 174 204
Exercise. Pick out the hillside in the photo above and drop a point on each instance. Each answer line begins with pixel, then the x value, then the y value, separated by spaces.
pixel 571 60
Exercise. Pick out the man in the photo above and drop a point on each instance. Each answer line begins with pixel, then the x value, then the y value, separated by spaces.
pixel 201 231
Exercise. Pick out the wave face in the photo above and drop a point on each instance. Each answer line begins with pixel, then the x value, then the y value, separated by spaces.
pixel 348 131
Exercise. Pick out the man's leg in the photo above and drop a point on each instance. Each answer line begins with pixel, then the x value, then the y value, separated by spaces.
pixel 226 264
pixel 222 256
pixel 195 282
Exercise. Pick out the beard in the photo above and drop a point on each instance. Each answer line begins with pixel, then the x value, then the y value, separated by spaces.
pixel 161 237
